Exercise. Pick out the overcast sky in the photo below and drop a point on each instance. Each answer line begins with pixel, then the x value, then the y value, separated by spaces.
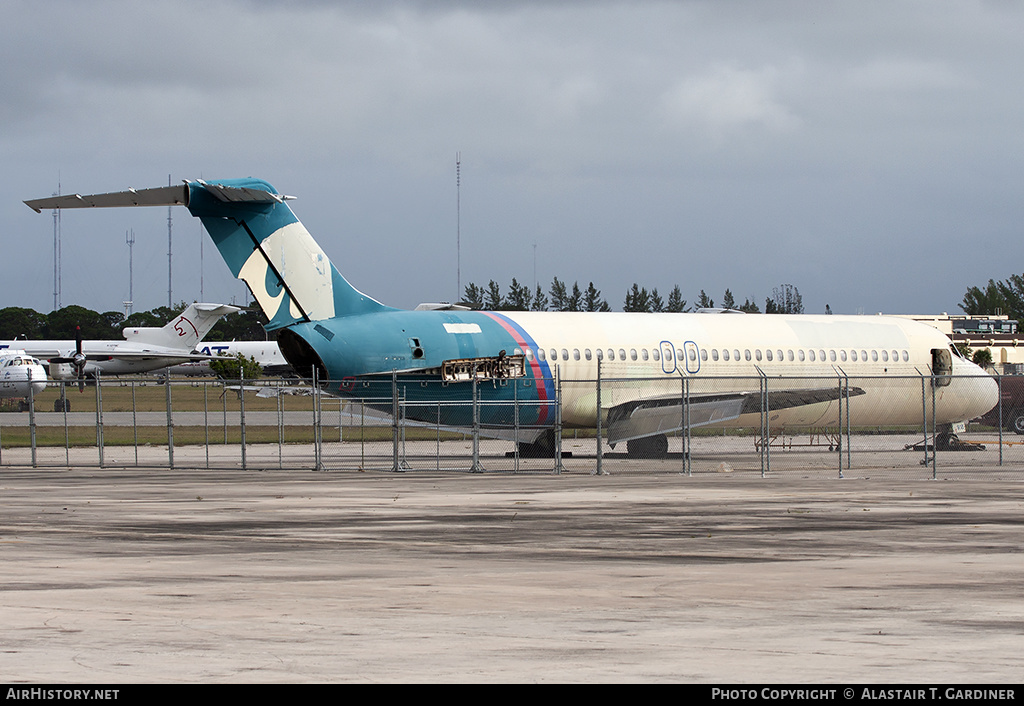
pixel 869 153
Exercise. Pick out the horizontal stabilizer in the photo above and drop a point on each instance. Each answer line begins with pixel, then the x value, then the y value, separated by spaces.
pixel 243 194
pixel 159 196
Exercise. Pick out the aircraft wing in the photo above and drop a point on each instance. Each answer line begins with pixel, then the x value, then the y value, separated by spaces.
pixel 181 356
pixel 126 355
pixel 116 351
pixel 662 415
pixel 271 391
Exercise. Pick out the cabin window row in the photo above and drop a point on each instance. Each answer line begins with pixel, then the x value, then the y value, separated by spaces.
pixel 801 355
pixel 725 354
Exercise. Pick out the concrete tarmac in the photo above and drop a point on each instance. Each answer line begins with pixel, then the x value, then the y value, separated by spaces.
pixel 228 576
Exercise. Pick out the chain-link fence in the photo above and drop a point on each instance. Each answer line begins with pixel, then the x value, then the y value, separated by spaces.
pixel 683 425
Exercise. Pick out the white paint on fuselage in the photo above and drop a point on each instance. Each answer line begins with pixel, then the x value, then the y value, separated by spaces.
pixel 266 353
pixel 883 356
pixel 462 328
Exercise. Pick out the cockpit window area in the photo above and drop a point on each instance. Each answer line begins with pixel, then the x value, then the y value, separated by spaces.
pixel 21 360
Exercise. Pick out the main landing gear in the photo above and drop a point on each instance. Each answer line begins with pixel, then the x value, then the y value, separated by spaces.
pixel 946 441
pixel 543 447
pixel 648 447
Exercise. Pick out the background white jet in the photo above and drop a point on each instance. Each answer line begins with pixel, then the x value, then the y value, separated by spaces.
pixel 266 353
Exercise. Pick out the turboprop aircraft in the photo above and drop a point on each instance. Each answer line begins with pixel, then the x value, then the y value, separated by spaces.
pixel 730 369
pixel 21 375
pixel 143 348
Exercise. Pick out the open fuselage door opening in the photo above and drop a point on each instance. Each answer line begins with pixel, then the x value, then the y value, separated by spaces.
pixel 942 366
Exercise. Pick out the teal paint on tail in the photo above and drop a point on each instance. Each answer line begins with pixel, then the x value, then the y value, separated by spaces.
pixel 269 249
pixel 260 239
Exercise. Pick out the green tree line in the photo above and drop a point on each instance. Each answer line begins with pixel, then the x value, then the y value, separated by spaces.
pixel 18 322
pixel 561 297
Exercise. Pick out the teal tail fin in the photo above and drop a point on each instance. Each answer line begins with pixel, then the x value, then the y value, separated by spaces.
pixel 260 239
pixel 266 246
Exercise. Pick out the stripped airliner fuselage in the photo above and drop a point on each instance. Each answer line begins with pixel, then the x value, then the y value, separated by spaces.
pixel 719 362
pixel 721 356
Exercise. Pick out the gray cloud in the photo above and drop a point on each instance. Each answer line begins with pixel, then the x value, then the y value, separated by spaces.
pixel 857 150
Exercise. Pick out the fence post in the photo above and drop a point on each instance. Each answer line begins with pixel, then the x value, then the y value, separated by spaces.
pixel 924 421
pixel 31 417
pixel 558 421
pixel 839 424
pixel 67 434
pixel 476 468
pixel 99 418
pixel 683 420
pixel 224 405
pixel 688 438
pixel 515 423
pixel 170 419
pixel 241 411
pixel 849 430
pixel 403 410
pixel 318 461
pixel 600 446
pixel 206 421
pixel 394 421
pixel 999 383
pixel 935 438
pixel 135 425
pixel 766 461
pixel 280 427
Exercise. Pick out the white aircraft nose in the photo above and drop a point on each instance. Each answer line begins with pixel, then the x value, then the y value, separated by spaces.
pixel 979 390
pixel 989 395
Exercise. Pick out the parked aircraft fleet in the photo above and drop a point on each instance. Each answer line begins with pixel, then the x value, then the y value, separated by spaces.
pixel 143 349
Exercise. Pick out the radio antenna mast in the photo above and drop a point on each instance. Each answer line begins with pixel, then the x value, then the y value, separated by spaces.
pixel 129 238
pixel 458 226
pixel 56 253
pixel 170 302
